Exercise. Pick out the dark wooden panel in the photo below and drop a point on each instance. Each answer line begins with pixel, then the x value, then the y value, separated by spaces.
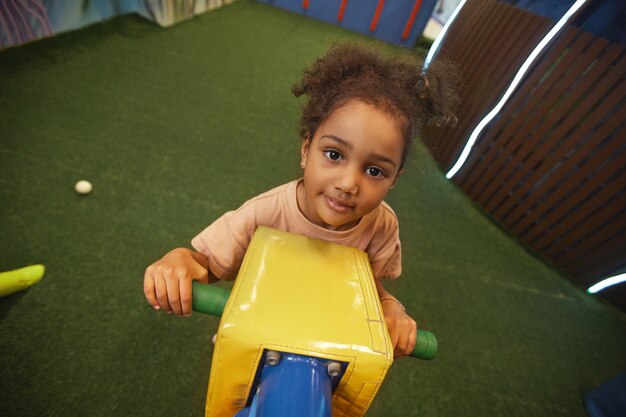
pixel 614 295
pixel 603 259
pixel 579 170
pixel 499 135
pixel 551 138
pixel 603 269
pixel 582 232
pixel 515 134
pixel 569 217
pixel 551 167
pixel 489 41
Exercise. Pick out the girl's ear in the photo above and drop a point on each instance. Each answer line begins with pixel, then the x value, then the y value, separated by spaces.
pixel 304 151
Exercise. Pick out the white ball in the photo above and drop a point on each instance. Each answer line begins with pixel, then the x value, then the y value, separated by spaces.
pixel 83 187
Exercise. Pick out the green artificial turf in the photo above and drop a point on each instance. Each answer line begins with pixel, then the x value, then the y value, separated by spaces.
pixel 174 127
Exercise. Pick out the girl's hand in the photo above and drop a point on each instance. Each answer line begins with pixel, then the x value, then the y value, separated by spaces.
pixel 402 328
pixel 167 282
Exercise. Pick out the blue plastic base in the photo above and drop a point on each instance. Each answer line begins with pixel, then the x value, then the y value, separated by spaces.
pixel 608 400
pixel 297 386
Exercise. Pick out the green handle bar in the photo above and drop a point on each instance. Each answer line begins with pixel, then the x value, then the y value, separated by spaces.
pixel 210 299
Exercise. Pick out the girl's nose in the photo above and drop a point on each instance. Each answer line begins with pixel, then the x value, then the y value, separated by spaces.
pixel 348 181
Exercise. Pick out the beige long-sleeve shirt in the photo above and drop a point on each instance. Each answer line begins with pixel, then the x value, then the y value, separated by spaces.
pixel 226 240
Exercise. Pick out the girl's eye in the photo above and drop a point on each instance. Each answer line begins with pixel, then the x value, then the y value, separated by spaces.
pixel 375 172
pixel 333 155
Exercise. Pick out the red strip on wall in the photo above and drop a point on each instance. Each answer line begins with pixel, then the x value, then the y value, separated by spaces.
pixel 379 9
pixel 342 10
pixel 409 23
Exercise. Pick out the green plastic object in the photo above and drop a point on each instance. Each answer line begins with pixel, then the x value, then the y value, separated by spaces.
pixel 426 347
pixel 209 299
pixel 20 279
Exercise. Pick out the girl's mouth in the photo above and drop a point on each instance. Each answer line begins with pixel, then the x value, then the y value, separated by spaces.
pixel 338 205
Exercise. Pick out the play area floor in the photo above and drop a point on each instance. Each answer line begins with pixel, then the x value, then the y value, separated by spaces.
pixel 176 126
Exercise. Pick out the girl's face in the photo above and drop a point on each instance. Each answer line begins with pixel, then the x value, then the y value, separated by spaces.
pixel 350 164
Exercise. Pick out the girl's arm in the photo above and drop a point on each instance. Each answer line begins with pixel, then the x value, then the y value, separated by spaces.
pixel 402 328
pixel 167 282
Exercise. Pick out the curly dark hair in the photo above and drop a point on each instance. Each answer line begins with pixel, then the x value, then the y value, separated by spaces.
pixel 393 84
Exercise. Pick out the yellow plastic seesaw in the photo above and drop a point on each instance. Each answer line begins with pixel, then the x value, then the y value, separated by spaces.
pixel 296 296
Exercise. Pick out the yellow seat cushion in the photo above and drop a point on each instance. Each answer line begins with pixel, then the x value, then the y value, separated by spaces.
pixel 304 296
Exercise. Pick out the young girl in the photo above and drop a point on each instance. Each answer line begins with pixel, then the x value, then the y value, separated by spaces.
pixel 357 127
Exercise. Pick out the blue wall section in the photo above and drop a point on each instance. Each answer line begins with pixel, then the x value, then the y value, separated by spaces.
pixel 358 16
pixel 326 10
pixel 604 18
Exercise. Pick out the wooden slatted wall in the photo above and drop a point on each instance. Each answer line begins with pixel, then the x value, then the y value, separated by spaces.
pixel 489 41
pixel 551 168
